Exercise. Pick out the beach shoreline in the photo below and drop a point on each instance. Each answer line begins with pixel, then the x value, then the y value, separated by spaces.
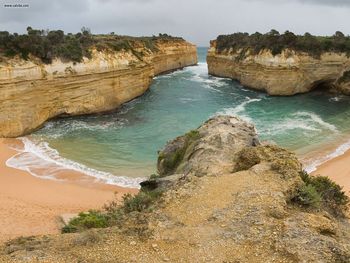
pixel 331 160
pixel 32 206
pixel 337 169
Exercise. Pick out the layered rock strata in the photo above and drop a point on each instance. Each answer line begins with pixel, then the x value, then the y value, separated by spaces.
pixel 284 74
pixel 32 92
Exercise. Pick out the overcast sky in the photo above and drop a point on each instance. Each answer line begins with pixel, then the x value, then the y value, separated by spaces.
pixel 195 20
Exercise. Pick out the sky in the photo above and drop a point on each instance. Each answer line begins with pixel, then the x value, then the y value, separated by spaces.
pixel 198 21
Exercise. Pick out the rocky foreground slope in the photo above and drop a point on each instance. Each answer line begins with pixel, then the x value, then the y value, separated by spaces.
pixel 287 73
pixel 32 92
pixel 222 196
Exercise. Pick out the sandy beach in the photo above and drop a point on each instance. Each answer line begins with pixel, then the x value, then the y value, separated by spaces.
pixel 338 169
pixel 32 206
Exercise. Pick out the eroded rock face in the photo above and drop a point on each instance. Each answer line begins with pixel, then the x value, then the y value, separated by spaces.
pixel 32 92
pixel 285 74
pixel 209 150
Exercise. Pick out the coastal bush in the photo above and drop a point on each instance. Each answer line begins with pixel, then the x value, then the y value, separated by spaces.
pixel 91 219
pixel 140 202
pixel 47 45
pixel 322 192
pixel 173 158
pixel 113 212
pixel 308 196
pixel 276 43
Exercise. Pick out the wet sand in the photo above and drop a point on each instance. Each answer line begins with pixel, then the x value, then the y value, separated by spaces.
pixel 32 206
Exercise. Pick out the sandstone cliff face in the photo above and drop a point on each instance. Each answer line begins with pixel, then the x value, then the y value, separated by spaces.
pixel 226 198
pixel 285 74
pixel 32 92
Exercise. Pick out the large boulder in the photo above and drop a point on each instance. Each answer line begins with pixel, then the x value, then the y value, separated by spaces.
pixel 208 150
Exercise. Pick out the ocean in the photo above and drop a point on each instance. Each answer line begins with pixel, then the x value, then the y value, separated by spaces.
pixel 121 147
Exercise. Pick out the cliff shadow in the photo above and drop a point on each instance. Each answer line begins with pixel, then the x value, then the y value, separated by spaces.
pixel 324 85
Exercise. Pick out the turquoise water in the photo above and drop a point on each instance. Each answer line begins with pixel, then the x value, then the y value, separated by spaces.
pixel 125 142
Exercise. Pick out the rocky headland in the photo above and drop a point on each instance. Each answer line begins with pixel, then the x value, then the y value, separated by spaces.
pixel 115 70
pixel 282 64
pixel 221 195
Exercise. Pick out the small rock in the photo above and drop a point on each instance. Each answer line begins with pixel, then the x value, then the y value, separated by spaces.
pixel 155 247
pixel 132 243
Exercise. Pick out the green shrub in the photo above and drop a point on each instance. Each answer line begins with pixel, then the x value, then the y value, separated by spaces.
pixel 172 159
pixel 192 135
pixel 143 201
pixel 91 219
pixel 276 42
pixel 332 197
pixel 113 212
pixel 47 45
pixel 308 196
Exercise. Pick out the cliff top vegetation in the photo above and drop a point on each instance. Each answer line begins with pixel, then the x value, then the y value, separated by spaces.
pixel 47 45
pixel 276 42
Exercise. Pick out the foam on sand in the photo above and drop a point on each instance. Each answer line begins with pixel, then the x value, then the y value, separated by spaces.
pixel 40 160
pixel 342 149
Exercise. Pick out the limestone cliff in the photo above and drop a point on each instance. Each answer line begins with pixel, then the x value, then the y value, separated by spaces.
pixel 287 73
pixel 32 92
pixel 221 196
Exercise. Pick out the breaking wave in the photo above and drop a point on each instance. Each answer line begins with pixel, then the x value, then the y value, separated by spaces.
pixel 40 160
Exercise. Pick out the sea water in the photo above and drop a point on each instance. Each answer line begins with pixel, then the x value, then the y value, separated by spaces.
pixel 121 147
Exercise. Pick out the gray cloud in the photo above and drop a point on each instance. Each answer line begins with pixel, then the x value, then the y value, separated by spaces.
pixel 327 2
pixel 196 20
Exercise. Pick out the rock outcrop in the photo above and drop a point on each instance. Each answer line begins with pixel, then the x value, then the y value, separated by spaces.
pixel 284 74
pixel 32 92
pixel 226 198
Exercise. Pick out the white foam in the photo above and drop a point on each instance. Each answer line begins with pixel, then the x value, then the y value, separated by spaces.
pixel 209 87
pixel 289 124
pixel 59 128
pixel 186 100
pixel 306 121
pixel 338 152
pixel 238 110
pixel 171 74
pixel 200 74
pixel 39 156
pixel 317 119
pixel 337 98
